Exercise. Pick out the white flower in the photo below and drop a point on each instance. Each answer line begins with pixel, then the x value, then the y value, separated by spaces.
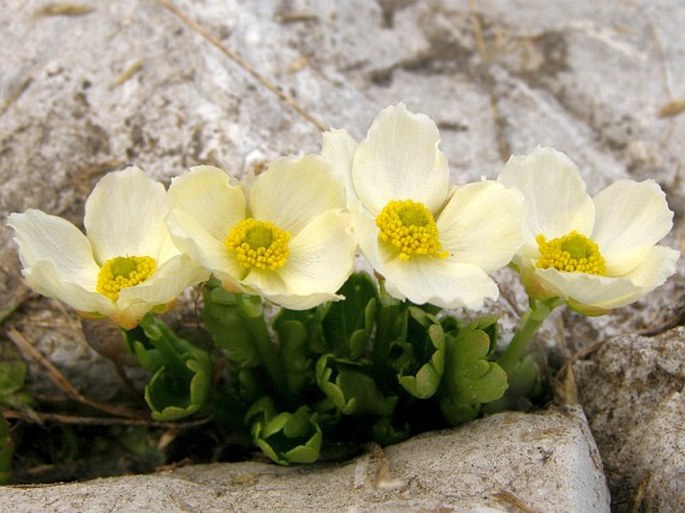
pixel 432 243
pixel 596 253
pixel 125 267
pixel 285 238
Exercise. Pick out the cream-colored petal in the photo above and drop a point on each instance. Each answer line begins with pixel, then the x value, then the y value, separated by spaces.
pixel 303 302
pixel 321 256
pixel 45 278
pixel 265 283
pixel 630 218
pixel 400 159
pixel 168 249
pixel 587 289
pixel 554 192
pixel 207 195
pixel 42 237
pixel 439 282
pixel 338 148
pixel 657 266
pixel 211 253
pixel 125 215
pixel 295 190
pixel 366 233
pixel 165 285
pixel 482 225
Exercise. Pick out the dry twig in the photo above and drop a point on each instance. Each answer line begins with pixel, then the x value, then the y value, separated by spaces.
pixel 284 97
pixel 27 349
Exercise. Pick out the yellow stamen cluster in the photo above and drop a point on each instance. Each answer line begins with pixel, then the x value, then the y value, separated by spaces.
pixel 409 226
pixel 121 272
pixel 571 253
pixel 259 244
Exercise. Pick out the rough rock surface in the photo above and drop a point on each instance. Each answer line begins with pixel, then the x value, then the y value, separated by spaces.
pixel 507 462
pixel 632 390
pixel 103 85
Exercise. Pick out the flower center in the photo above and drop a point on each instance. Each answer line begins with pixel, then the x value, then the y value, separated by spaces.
pixel 259 244
pixel 571 253
pixel 122 272
pixel 410 227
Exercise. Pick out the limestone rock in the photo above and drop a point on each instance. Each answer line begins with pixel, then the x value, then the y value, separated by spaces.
pixel 632 392
pixel 508 462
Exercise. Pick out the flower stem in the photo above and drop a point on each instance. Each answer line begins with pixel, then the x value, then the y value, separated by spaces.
pixel 530 323
pixel 389 325
pixel 255 323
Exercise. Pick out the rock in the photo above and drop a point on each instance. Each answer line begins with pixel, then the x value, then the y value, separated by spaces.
pixel 128 82
pixel 632 392
pixel 510 461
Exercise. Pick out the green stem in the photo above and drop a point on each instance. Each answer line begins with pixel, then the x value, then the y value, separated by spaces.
pixel 530 323
pixel 256 325
pixel 387 325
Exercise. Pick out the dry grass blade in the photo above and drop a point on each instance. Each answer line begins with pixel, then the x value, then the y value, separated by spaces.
pixel 285 98
pixel 508 498
pixel 127 74
pixel 27 349
pixel 672 108
pixel 64 9
pixel 61 418
pixel 15 94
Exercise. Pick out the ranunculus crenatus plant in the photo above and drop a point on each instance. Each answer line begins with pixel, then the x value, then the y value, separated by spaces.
pixel 592 253
pixel 343 356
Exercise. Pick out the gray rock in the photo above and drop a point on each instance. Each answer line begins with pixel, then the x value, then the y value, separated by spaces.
pixel 128 82
pixel 508 462
pixel 632 392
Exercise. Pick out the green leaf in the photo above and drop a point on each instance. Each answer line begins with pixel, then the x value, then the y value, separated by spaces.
pixel 385 432
pixel 311 320
pixel 347 326
pixel 141 347
pixel 470 379
pixel 525 383
pixel 172 396
pixel 181 381
pixel 351 390
pixel 422 362
pixel 490 326
pixel 285 437
pixel 12 379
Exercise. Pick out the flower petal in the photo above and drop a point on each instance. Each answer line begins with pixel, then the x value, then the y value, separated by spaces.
pixel 42 237
pixel 338 148
pixel 165 285
pixel 267 284
pixel 630 218
pixel 207 195
pixel 303 302
pixel 554 192
pixel 399 160
pixel 589 290
pixel 321 256
pixel 482 224
pixel 45 278
pixel 125 215
pixel 443 283
pixel 294 190
pixel 659 263
pixel 193 238
pixel 366 232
